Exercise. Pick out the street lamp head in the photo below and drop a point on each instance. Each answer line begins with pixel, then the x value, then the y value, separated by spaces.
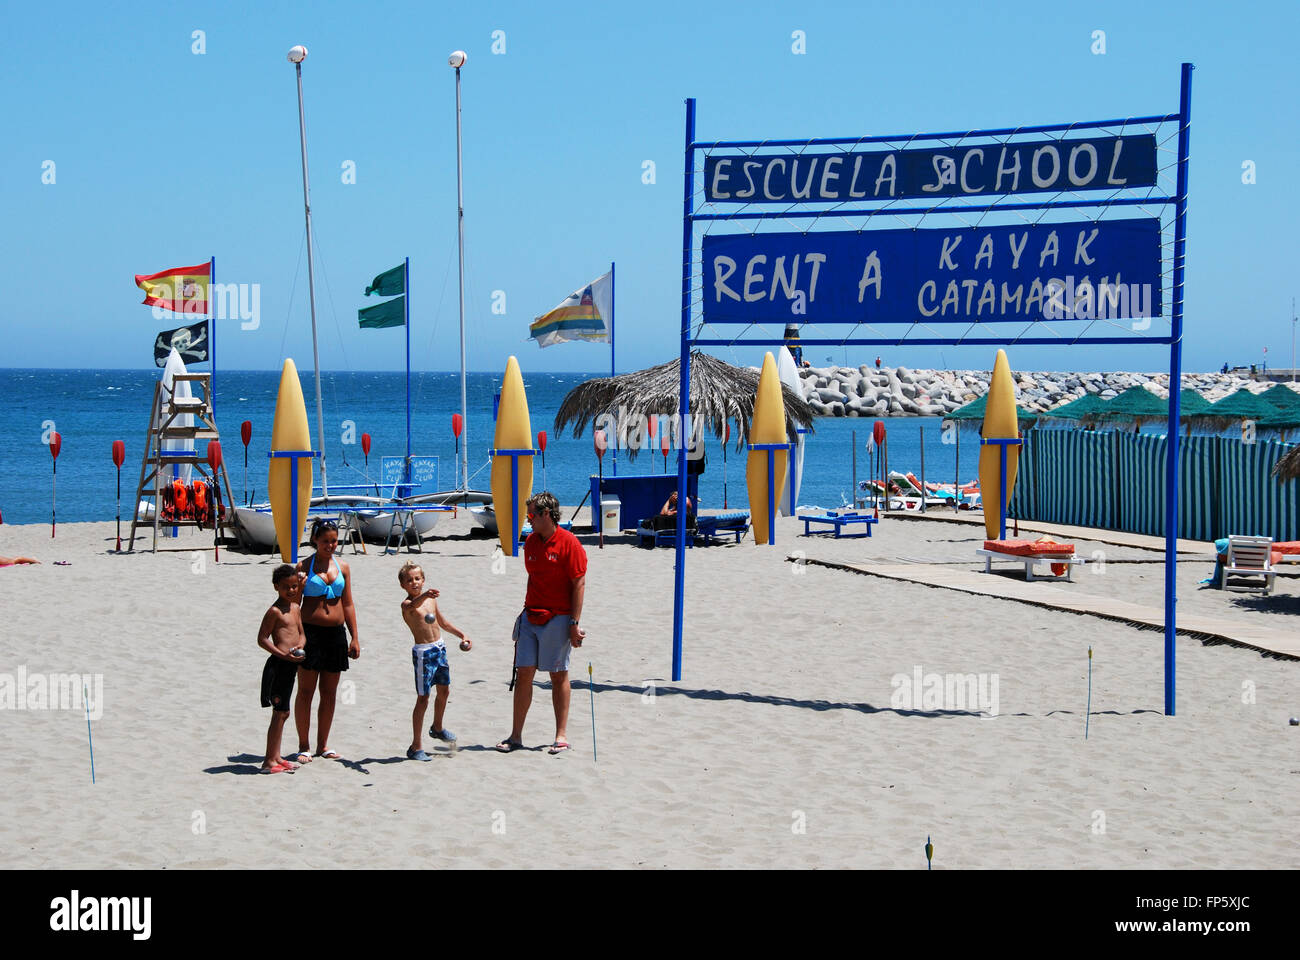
pixel 457 59
pixel 297 54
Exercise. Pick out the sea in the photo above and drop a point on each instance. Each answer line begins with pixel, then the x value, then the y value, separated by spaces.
pixel 92 408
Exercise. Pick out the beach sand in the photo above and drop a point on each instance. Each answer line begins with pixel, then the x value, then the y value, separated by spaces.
pixel 780 747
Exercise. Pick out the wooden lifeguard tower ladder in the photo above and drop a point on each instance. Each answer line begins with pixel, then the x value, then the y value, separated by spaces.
pixel 156 468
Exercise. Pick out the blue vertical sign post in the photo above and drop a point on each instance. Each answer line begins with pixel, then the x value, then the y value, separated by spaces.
pixel 1018 266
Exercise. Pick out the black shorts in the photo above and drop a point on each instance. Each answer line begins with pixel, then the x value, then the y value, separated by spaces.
pixel 326 648
pixel 277 683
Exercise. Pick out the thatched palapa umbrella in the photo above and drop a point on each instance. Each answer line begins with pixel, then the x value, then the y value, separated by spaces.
pixel 1083 410
pixel 975 411
pixel 1136 405
pixel 719 392
pixel 1239 406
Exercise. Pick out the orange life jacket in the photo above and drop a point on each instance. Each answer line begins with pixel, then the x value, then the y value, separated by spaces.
pixel 202 509
pixel 181 502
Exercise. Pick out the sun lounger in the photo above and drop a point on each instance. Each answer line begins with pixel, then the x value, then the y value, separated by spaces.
pixel 716 526
pixel 1250 561
pixel 1030 552
pixel 838 522
pixel 661 530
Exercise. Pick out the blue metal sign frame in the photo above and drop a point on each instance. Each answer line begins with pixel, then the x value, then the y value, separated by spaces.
pixel 1173 339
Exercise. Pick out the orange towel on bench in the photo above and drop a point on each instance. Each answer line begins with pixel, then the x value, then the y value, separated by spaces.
pixel 1030 548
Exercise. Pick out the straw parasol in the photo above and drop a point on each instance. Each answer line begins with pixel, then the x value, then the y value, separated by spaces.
pixel 1238 406
pixel 975 411
pixel 1191 404
pixel 1136 405
pixel 1083 410
pixel 719 392
pixel 1288 465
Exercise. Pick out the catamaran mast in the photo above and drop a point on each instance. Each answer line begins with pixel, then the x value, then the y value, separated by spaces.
pixel 457 60
pixel 296 56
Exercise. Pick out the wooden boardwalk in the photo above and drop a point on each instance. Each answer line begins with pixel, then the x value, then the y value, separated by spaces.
pixel 1068 598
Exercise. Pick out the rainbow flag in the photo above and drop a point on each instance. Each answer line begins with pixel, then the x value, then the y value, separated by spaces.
pixel 180 289
pixel 583 315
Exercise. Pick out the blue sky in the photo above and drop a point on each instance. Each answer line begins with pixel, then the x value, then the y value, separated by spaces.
pixel 164 157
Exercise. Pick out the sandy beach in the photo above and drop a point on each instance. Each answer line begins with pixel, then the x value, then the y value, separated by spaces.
pixel 785 744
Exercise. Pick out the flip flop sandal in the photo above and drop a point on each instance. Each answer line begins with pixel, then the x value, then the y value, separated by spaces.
pixel 276 768
pixel 509 746
pixel 558 747
pixel 329 755
pixel 303 757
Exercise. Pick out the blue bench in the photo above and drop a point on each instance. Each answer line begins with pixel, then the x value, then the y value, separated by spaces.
pixel 839 522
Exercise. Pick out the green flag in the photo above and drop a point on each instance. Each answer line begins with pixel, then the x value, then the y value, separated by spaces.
pixel 389 282
pixel 390 313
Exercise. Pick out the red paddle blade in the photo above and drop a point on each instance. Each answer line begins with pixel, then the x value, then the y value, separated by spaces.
pixel 214 454
pixel 457 425
pixel 246 431
pixel 56 444
pixel 119 453
pixel 541 440
pixel 598 441
pixel 365 444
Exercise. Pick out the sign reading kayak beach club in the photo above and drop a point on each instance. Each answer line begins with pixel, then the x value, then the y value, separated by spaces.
pixel 1098 163
pixel 1045 271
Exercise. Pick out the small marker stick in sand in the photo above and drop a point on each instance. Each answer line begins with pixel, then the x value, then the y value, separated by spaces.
pixel 86 702
pixel 1088 712
pixel 929 853
pixel 119 455
pixel 56 444
pixel 592 688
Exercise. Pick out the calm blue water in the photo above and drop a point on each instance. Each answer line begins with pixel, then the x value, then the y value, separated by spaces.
pixel 92 408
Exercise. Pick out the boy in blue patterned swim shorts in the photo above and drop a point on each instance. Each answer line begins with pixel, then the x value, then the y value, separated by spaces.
pixel 429 655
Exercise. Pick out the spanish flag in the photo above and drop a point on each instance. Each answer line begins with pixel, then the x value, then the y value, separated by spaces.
pixel 583 315
pixel 180 289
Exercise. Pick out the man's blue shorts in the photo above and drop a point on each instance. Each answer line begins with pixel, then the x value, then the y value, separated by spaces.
pixel 545 647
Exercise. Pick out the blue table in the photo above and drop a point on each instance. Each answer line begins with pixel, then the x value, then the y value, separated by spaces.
pixel 839 522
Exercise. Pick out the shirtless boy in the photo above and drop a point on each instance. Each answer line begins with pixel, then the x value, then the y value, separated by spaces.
pixel 281 636
pixel 429 654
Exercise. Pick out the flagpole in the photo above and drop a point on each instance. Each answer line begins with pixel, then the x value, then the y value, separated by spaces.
pixel 457 60
pixel 612 374
pixel 296 57
pixel 212 337
pixel 406 290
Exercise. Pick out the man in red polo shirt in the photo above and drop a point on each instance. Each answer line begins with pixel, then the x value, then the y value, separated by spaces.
pixel 548 627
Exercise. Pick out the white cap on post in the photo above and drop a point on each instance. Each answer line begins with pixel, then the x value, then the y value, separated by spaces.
pixel 297 54
pixel 457 59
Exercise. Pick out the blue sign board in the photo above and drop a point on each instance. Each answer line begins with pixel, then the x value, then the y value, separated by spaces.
pixel 1095 163
pixel 424 471
pixel 1046 271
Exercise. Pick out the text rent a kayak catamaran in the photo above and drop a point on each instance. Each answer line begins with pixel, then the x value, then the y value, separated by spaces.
pixel 255 524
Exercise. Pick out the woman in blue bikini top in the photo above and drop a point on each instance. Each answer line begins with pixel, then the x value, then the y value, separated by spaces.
pixel 326 609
